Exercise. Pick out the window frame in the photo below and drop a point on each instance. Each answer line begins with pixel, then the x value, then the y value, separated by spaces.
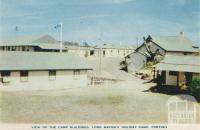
pixel 52 75
pixel 76 74
pixel 24 74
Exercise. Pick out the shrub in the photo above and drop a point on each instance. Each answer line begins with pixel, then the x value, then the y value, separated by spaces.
pixel 149 65
pixel 194 88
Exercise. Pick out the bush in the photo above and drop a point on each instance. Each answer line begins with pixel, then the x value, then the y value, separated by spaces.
pixel 149 65
pixel 194 88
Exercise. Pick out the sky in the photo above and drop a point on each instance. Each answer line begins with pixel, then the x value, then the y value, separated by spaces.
pixel 100 21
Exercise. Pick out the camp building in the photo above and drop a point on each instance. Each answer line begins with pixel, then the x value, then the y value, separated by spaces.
pixel 44 43
pixel 178 70
pixel 82 51
pixel 113 50
pixel 42 70
pixel 156 48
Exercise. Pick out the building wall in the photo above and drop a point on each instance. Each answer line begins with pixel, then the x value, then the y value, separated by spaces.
pixel 171 79
pixel 113 52
pixel 16 48
pixel 39 80
pixel 81 52
pixel 153 48
pixel 178 53
pixel 136 62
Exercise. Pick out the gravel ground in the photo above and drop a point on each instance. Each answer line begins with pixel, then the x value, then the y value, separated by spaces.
pixel 123 103
pixel 89 105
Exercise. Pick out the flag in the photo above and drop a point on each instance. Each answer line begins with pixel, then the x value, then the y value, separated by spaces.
pixel 57 26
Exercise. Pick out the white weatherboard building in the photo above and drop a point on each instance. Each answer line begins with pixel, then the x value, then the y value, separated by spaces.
pixel 160 46
pixel 178 70
pixel 40 71
pixel 81 50
pixel 113 50
pixel 44 43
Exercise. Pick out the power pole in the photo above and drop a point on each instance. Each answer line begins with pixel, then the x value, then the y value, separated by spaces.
pixel 137 41
pixel 100 60
pixel 61 46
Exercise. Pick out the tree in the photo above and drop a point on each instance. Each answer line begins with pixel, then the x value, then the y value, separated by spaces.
pixel 194 88
pixel 152 54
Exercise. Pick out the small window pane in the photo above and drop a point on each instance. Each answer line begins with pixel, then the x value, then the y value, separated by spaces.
pixel 76 74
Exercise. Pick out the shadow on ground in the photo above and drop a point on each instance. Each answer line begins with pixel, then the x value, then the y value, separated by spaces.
pixel 169 90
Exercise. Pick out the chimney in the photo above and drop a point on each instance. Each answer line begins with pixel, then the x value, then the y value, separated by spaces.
pixel 182 34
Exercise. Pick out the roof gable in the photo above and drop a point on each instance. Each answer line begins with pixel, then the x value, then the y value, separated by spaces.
pixel 175 43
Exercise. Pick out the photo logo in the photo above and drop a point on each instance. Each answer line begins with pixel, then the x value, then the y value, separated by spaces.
pixel 182 109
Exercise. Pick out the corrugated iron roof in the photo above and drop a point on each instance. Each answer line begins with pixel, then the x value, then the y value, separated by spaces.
pixel 176 43
pixel 41 61
pixel 180 63
pixel 114 46
pixel 44 42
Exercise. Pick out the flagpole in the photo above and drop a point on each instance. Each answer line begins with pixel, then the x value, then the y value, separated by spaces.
pixel 61 46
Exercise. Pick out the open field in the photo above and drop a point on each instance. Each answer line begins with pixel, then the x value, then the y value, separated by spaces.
pixel 113 104
pixel 90 105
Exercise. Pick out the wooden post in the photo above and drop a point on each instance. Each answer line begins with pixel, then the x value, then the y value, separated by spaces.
pixel 178 79
pixel 154 74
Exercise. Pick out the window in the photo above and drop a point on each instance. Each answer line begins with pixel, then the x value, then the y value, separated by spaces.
pixel 91 52
pixel 174 73
pixel 24 76
pixel 52 75
pixel 5 73
pixel 76 74
pixel 104 52
pixel 111 52
pixel 5 76
pixel 14 48
pixel 23 48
